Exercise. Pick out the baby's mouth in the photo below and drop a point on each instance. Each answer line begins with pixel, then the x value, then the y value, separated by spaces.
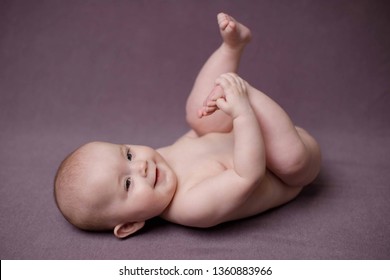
pixel 156 177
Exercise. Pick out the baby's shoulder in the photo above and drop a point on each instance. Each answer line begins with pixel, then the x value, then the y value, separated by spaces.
pixel 190 134
pixel 210 143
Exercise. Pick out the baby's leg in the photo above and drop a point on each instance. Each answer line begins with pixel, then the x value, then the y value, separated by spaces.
pixel 225 59
pixel 291 153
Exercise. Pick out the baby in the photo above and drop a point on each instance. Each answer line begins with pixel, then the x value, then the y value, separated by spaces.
pixel 242 156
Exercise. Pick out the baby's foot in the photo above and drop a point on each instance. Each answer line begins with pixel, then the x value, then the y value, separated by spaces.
pixel 210 104
pixel 234 34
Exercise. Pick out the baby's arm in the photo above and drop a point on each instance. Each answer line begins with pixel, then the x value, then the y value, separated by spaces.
pixel 249 154
pixel 213 200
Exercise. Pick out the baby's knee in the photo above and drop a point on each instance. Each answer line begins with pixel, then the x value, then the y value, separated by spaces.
pixel 305 162
pixel 295 162
pixel 301 166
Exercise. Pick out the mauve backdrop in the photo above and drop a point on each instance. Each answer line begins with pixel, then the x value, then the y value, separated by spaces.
pixel 120 71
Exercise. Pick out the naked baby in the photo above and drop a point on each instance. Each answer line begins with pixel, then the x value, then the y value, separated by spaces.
pixel 242 156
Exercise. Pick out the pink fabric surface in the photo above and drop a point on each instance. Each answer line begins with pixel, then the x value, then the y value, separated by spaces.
pixel 120 71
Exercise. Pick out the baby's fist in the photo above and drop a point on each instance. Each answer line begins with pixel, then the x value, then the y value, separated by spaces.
pixel 235 101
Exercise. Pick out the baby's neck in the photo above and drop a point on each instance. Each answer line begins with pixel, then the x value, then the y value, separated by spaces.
pixel 165 152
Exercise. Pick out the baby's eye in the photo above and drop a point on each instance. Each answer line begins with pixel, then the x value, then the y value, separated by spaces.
pixel 129 155
pixel 127 184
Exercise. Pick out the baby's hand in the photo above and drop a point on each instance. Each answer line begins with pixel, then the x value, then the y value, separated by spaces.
pixel 235 102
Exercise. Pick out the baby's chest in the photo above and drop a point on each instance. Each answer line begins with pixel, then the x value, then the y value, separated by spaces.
pixel 193 172
pixel 203 159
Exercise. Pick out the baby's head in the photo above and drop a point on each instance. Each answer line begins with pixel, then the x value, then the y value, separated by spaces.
pixel 104 186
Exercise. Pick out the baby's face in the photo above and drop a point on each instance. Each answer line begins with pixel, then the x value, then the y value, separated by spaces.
pixel 127 182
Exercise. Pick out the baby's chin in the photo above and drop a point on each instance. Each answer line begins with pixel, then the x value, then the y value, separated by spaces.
pixel 167 180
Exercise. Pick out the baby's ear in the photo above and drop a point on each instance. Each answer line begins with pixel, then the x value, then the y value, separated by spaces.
pixel 124 230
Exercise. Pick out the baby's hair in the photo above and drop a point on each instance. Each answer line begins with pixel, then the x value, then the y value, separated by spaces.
pixel 67 188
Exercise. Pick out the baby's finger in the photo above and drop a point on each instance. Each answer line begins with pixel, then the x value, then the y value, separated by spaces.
pixel 222 104
pixel 231 77
pixel 229 80
pixel 223 82
pixel 240 82
pixel 235 80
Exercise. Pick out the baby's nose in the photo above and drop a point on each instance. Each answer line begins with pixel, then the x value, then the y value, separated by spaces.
pixel 141 167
